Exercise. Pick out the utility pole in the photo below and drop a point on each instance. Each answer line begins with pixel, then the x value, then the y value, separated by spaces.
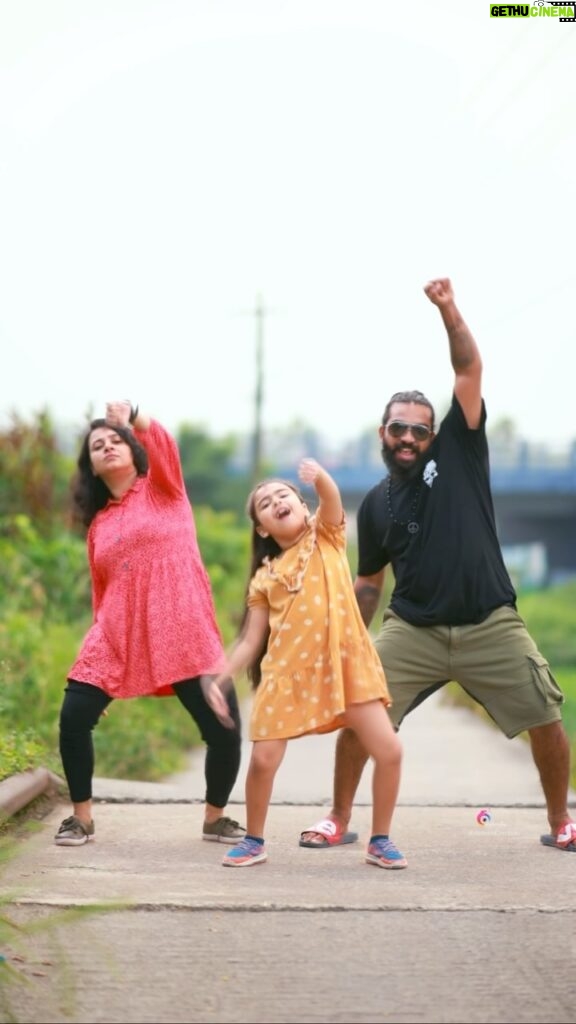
pixel 257 440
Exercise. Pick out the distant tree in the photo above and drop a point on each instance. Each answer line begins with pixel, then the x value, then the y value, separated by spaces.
pixel 209 474
pixel 34 475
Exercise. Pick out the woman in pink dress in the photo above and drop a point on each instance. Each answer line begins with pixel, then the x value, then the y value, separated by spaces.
pixel 154 630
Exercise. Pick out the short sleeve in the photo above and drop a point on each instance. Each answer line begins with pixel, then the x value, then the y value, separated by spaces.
pixel 256 595
pixel 336 535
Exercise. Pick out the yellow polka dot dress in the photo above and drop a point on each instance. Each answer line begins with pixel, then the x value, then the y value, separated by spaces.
pixel 320 656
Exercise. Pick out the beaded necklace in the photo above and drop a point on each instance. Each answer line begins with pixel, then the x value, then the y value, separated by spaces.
pixel 410 523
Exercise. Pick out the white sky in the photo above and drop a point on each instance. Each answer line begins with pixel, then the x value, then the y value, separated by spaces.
pixel 163 163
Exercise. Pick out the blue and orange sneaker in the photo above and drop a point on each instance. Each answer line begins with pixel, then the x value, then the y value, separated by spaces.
pixel 383 853
pixel 249 850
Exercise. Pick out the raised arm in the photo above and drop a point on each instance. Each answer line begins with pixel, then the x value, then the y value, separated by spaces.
pixel 464 353
pixel 123 414
pixel 165 468
pixel 329 501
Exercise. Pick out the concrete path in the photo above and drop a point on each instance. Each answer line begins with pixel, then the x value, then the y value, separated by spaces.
pixel 479 928
pixel 451 758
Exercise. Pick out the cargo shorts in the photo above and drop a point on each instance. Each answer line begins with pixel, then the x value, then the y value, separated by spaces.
pixel 495 661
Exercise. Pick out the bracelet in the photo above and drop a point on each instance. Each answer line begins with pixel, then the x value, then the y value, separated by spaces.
pixel 133 414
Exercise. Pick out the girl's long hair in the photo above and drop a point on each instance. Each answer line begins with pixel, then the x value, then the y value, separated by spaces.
pixel 89 492
pixel 262 548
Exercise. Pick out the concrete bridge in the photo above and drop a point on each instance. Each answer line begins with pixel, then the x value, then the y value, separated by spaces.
pixel 534 498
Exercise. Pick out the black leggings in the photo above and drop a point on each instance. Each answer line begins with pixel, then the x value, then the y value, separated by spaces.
pixel 81 710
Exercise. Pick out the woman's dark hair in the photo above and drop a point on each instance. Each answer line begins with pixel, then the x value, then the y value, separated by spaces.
pixel 89 492
pixel 262 548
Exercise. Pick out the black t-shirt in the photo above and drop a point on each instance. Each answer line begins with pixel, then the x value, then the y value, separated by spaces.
pixel 451 571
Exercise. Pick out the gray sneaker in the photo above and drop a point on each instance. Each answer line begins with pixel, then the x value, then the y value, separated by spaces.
pixel 73 832
pixel 223 830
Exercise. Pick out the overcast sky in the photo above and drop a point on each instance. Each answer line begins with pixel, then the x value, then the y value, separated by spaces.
pixel 165 162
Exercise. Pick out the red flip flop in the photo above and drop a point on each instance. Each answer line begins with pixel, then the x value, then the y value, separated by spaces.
pixel 332 835
pixel 564 839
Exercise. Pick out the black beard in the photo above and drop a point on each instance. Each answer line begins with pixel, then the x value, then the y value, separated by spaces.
pixel 401 472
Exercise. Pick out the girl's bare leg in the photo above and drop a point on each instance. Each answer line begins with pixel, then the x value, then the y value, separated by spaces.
pixel 267 756
pixel 373 728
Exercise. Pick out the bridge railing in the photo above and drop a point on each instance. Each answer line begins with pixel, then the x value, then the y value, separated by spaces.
pixel 519 470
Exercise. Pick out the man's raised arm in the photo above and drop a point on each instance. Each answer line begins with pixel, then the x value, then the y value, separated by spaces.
pixel 464 353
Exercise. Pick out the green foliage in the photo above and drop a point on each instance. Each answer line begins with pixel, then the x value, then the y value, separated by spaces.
pixel 144 739
pixel 45 606
pixel 21 751
pixel 566 679
pixel 34 658
pixel 551 618
pixel 224 544
pixel 45 577
pixel 45 609
pixel 206 465
pixel 34 475
pixel 44 615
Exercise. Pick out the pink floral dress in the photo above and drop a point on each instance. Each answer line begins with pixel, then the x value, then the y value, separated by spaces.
pixel 154 618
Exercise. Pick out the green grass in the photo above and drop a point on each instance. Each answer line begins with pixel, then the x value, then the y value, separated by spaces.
pixel 149 739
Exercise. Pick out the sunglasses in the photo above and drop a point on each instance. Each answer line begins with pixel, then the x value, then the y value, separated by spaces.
pixel 419 431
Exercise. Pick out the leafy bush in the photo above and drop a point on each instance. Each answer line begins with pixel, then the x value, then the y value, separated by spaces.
pixel 45 609
pixel 44 617
pixel 34 474
pixel 44 577
pixel 551 619
pixel 224 544
pixel 20 752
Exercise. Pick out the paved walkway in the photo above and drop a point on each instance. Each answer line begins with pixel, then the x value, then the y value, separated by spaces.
pixel 451 758
pixel 479 928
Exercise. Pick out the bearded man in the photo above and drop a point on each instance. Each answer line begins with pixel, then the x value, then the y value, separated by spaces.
pixel 452 613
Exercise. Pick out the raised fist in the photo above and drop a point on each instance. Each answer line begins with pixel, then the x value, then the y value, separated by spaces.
pixel 439 291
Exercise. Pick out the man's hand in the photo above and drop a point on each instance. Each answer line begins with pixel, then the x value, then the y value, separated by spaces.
pixel 440 291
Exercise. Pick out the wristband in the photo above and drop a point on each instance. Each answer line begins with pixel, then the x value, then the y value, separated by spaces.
pixel 133 414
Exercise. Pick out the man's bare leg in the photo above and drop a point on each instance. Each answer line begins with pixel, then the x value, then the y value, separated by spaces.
pixel 349 764
pixel 551 753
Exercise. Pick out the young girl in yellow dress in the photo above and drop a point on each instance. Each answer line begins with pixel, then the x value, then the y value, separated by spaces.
pixel 309 656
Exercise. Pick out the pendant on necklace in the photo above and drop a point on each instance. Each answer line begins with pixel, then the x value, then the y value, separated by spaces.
pixel 411 525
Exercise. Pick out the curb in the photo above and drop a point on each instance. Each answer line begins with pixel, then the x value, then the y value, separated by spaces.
pixel 19 790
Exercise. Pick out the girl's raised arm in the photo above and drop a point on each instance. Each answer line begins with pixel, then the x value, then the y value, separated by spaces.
pixel 330 503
